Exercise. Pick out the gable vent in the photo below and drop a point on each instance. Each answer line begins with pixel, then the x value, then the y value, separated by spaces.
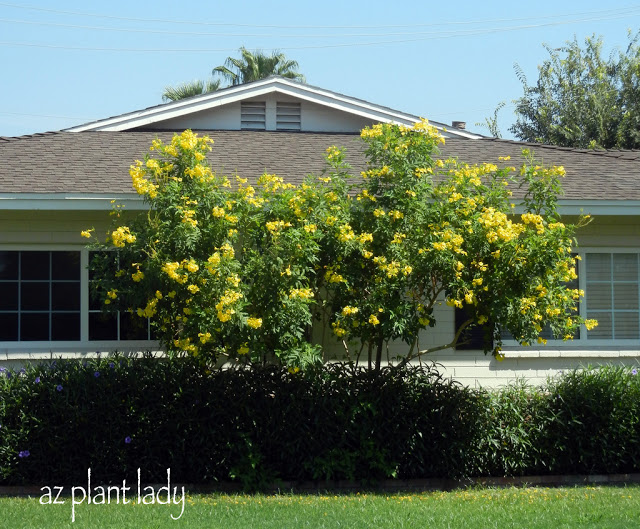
pixel 288 116
pixel 252 115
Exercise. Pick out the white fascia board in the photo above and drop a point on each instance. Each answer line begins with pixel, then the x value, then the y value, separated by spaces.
pixel 257 89
pixel 70 202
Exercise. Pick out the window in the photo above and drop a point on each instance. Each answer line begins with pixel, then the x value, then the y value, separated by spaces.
pixel 253 115
pixel 39 296
pixel 611 293
pixel 287 116
pixel 611 282
pixel 116 325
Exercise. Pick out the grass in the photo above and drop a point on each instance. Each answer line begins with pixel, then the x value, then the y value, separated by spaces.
pixel 580 507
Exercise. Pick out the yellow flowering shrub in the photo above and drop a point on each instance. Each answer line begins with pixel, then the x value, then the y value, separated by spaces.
pixel 241 273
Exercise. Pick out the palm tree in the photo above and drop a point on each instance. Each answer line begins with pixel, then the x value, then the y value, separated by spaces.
pixel 254 66
pixel 250 67
pixel 194 88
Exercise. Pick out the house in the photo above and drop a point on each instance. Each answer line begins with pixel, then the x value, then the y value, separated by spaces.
pixel 53 185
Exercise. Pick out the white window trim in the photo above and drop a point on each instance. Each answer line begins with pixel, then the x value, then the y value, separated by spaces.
pixel 17 350
pixel 584 343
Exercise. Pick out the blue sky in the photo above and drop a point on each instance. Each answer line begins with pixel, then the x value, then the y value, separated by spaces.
pixel 65 62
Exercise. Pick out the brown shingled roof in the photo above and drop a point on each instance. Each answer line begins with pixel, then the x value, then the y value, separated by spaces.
pixel 98 162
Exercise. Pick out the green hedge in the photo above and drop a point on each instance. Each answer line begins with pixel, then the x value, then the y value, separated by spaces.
pixel 263 424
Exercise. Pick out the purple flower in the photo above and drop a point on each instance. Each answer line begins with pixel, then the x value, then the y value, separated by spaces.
pixel 3 369
pixel 37 380
pixel 96 374
pixel 112 365
pixel 634 371
pixel 23 371
pixel 58 387
pixel 24 453
pixel 127 440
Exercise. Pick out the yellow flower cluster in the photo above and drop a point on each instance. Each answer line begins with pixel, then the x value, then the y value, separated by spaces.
pixel 536 220
pixel 277 225
pixel 254 323
pixel 301 293
pixel 373 320
pixel 349 310
pixel 337 330
pixel 138 275
pixel 204 337
pixel 272 183
pixel 86 233
pixel 122 236
pixel 498 226
pixel 333 277
pixel 345 233
pixel 229 298
pixel 149 310
pixel 372 132
pixel 218 212
pixel 140 182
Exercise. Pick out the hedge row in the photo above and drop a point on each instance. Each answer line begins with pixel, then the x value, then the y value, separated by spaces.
pixel 261 424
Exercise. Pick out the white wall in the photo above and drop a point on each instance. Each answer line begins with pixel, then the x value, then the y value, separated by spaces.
pixel 314 117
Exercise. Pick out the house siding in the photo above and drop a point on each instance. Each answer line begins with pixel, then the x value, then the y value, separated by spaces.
pixel 54 229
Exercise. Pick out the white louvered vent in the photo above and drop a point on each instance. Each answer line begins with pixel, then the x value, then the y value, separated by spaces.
pixel 252 115
pixel 288 116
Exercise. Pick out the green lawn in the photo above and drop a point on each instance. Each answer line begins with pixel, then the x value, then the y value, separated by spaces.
pixel 581 507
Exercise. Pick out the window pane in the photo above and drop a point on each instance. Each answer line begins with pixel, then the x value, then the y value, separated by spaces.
pixel 9 265
pixel 65 265
pixel 626 326
pixel 34 326
pixel 626 296
pixel 625 267
pixel 65 326
pixel 35 265
pixel 9 296
pixel 9 327
pixel 103 326
pixel 598 266
pixel 132 327
pixel 604 329
pixel 65 296
pixel 598 296
pixel 34 296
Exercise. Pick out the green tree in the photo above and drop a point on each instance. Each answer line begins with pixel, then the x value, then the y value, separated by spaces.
pixel 244 273
pixel 582 99
pixel 252 66
pixel 194 88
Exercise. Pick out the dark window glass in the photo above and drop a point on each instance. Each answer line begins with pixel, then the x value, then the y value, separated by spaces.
pixel 35 265
pixel 8 265
pixel 8 327
pixel 473 337
pixel 34 326
pixel 132 327
pixel 9 296
pixel 65 265
pixel 103 326
pixel 65 326
pixel 34 296
pixel 65 296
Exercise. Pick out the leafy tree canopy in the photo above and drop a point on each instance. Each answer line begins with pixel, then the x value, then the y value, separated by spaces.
pixel 582 99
